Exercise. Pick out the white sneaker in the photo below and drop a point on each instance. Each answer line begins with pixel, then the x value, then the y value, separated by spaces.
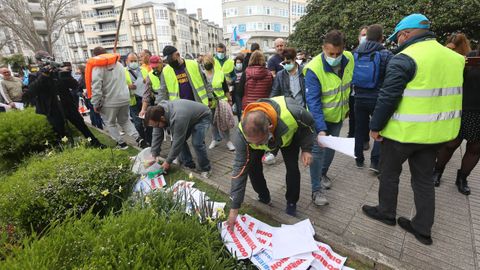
pixel 326 182
pixel 319 198
pixel 213 144
pixel 230 146
pixel 206 174
pixel 268 159
pixel 176 161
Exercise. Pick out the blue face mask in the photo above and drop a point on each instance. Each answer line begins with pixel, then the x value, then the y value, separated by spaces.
pixel 220 55
pixel 133 65
pixel 333 61
pixel 238 66
pixel 288 67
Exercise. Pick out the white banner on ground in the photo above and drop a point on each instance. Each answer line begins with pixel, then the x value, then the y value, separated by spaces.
pixel 327 259
pixel 146 185
pixel 264 260
pixel 240 241
pixel 262 231
pixel 291 240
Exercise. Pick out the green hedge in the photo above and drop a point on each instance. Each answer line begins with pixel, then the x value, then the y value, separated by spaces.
pixel 23 132
pixel 47 188
pixel 135 239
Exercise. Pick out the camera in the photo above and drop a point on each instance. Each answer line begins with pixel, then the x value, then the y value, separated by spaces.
pixel 58 70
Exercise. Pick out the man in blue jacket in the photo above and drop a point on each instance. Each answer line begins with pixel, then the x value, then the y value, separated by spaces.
pixel 371 59
pixel 327 89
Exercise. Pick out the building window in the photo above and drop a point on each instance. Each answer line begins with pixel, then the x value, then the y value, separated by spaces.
pixel 251 10
pixel 284 28
pixel 135 17
pixel 85 54
pixel 148 30
pixel 146 14
pixel 139 47
pixel 151 47
pixel 230 12
pixel 163 30
pixel 268 10
pixel 161 14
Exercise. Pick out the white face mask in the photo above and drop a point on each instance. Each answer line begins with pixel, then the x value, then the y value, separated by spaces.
pixel 363 39
pixel 238 66
pixel 133 65
pixel 333 61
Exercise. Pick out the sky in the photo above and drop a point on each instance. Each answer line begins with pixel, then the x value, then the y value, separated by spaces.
pixel 212 9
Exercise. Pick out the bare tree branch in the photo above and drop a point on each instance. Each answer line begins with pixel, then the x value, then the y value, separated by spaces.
pixel 16 15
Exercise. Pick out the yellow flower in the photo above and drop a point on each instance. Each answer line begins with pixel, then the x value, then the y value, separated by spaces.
pixel 147 200
pixel 46 142
pixel 120 166
pixel 105 192
pixel 64 139
pixel 190 176
pixel 89 139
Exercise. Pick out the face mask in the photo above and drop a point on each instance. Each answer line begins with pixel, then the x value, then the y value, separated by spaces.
pixel 208 66
pixel 220 55
pixel 288 67
pixel 133 65
pixel 333 61
pixel 299 61
pixel 363 39
pixel 238 66
pixel 156 72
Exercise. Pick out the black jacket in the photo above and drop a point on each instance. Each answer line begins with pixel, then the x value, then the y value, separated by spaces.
pixel 471 87
pixel 400 71
pixel 281 84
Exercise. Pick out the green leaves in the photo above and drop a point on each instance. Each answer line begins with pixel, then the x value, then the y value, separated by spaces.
pixel 447 16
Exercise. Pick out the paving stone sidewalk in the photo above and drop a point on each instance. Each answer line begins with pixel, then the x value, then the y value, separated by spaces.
pixel 456 231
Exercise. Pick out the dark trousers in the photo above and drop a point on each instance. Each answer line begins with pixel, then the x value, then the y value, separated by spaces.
pixel 144 132
pixel 95 118
pixel 421 159
pixel 364 108
pixel 351 117
pixel 73 116
pixel 290 157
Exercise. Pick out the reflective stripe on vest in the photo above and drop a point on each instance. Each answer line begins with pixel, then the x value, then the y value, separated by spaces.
pixel 217 84
pixel 193 71
pixel 155 81
pixel 286 117
pixel 430 109
pixel 335 91
pixel 133 100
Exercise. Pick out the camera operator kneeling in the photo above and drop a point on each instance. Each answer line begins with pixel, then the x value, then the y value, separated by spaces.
pixel 50 89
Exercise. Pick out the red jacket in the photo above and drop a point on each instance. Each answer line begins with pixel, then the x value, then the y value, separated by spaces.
pixel 258 84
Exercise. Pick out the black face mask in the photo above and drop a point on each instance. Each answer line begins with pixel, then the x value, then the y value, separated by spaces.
pixel 156 73
pixel 174 63
pixel 208 66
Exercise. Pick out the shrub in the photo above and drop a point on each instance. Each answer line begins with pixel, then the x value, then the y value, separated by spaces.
pixel 23 132
pixel 135 239
pixel 47 188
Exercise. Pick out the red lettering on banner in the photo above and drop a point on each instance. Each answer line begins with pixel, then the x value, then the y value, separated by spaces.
pixel 152 181
pixel 238 244
pixel 250 226
pixel 243 218
pixel 263 241
pixel 278 264
pixel 264 233
pixel 244 234
pixel 294 264
pixel 330 255
pixel 323 261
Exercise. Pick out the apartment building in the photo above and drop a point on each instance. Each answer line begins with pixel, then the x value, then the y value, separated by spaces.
pixel 262 20
pixel 155 25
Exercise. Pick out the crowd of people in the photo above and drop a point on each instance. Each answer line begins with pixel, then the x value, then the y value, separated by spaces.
pixel 409 100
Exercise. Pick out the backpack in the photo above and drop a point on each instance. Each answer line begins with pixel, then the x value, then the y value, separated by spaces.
pixel 366 73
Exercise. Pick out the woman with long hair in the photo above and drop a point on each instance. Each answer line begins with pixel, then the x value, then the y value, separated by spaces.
pixel 470 125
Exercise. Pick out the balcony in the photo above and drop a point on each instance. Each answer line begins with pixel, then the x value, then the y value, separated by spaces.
pixel 70 30
pixel 172 23
pixel 135 22
pixel 147 21
pixel 137 38
pixel 79 60
pixel 109 16
pixel 174 38
pixel 107 30
pixel 80 30
pixel 99 4
pixel 82 44
pixel 148 37
pixel 72 44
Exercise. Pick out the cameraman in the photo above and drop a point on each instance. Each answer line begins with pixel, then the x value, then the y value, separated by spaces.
pixel 50 88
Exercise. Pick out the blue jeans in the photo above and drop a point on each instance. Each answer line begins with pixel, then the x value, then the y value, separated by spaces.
pixel 216 133
pixel 364 108
pixel 198 132
pixel 322 157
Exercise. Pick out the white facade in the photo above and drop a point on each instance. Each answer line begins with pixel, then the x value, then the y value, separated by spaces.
pixel 262 20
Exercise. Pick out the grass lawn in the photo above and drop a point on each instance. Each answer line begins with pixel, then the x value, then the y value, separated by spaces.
pixel 215 194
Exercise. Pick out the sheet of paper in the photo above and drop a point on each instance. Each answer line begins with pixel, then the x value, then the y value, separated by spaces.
pixel 305 225
pixel 262 230
pixel 326 258
pixel 343 145
pixel 264 260
pixel 289 241
pixel 19 105
pixel 241 243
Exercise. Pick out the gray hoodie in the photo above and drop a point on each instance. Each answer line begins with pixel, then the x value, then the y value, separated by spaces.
pixel 305 136
pixel 109 87
pixel 181 115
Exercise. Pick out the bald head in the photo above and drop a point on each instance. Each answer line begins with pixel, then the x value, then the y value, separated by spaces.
pixel 279 44
pixel 255 126
pixel 5 72
pixel 132 57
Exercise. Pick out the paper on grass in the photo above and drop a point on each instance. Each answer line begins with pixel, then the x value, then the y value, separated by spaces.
pixel 262 231
pixel 289 241
pixel 327 259
pixel 343 145
pixel 264 261
pixel 305 225
pixel 19 105
pixel 241 242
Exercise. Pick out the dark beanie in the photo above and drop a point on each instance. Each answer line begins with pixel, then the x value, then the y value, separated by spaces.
pixel 168 50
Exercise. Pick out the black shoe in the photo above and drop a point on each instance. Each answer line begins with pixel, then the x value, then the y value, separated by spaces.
pixel 372 212
pixel 142 143
pixel 265 199
pixel 406 224
pixel 360 164
pixel 437 175
pixel 462 183
pixel 97 144
pixel 291 209
pixel 374 167
pixel 122 146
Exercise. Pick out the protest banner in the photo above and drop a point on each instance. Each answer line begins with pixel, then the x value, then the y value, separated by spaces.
pixel 239 240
